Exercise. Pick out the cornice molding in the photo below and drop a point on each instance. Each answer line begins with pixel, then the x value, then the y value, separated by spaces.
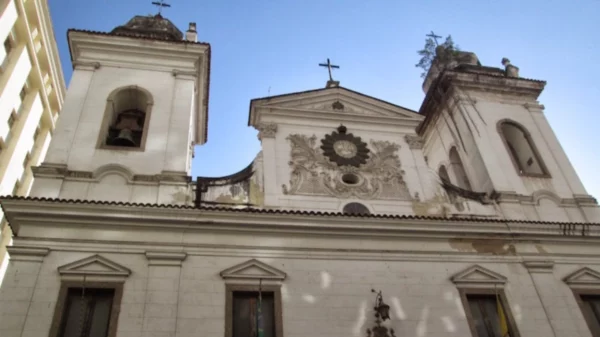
pixel 47 214
pixel 283 114
pixel 62 172
pixel 165 258
pixel 539 266
pixel 157 55
pixel 27 253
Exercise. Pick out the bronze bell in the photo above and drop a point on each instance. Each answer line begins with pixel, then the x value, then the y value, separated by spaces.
pixel 125 138
pixel 127 123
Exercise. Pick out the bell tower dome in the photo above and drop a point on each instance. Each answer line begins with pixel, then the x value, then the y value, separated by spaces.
pixel 136 105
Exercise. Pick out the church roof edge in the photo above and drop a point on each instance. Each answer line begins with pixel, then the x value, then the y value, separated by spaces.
pixel 283 211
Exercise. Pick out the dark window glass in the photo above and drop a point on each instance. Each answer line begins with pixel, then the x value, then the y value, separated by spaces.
pixel 245 314
pixel 356 208
pixel 87 313
pixel 488 316
pixel 8 45
pixel 593 303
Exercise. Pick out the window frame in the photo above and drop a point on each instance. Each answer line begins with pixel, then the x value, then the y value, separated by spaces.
pixel 520 171
pixel 464 292
pixel 59 309
pixel 590 319
pixel 231 288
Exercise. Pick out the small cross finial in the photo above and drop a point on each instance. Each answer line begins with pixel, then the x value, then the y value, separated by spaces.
pixel 160 4
pixel 329 67
pixel 434 37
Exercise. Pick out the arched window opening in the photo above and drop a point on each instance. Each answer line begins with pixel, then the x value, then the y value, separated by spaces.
pixel 521 149
pixel 356 208
pixel 458 170
pixel 443 174
pixel 128 111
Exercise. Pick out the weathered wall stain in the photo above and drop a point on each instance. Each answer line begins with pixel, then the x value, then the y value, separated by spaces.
pixel 483 246
pixel 436 206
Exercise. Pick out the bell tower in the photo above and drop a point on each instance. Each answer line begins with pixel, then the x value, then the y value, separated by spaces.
pixel 486 133
pixel 136 105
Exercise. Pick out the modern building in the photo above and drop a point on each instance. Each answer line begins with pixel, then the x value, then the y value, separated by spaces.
pixel 32 91
pixel 358 217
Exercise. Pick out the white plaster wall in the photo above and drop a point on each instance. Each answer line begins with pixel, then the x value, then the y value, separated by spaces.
pixel 18 69
pixel 8 17
pixel 164 126
pixel 24 129
pixel 493 112
pixel 320 297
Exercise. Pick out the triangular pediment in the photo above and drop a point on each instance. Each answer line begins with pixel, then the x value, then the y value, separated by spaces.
pixel 336 100
pixel 583 276
pixel 253 269
pixel 94 265
pixel 478 275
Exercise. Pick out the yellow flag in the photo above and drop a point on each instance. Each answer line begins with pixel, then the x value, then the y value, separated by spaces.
pixel 502 319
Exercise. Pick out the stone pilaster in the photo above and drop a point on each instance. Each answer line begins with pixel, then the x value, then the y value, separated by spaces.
pixel 552 298
pixel 160 311
pixel 18 288
pixel 266 134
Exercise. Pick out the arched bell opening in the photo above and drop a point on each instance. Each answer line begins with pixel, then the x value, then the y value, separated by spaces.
pixel 128 112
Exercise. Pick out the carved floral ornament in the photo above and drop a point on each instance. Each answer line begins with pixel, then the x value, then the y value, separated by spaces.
pixel 414 141
pixel 313 172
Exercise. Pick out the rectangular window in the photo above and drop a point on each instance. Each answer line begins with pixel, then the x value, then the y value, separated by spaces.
pixel 87 312
pixel 8 45
pixel 12 119
pixel 244 315
pixel 250 313
pixel 26 161
pixel 488 316
pixel 23 92
pixel 589 302
pixel 488 313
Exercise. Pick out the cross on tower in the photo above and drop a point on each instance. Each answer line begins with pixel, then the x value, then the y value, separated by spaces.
pixel 434 37
pixel 160 4
pixel 329 67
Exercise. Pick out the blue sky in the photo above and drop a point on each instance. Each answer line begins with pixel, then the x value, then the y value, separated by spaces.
pixel 277 44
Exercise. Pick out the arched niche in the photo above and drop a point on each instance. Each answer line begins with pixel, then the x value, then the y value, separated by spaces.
pixel 126 119
pixel 521 149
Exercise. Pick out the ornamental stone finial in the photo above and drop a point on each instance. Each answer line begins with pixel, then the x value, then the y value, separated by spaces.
pixel 509 69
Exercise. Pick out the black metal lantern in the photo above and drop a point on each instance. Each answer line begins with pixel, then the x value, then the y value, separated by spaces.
pixel 382 310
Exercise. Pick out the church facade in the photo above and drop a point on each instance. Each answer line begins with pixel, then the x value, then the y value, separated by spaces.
pixel 358 217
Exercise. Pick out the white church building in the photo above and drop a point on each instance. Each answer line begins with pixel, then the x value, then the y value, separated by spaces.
pixel 464 218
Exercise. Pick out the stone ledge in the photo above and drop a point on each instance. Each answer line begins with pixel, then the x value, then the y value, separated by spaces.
pixel 165 258
pixel 24 253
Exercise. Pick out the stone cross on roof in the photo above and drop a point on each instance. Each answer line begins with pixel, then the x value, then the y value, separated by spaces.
pixel 160 4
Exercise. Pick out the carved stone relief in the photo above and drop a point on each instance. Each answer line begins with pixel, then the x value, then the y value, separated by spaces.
pixel 267 130
pixel 414 141
pixel 312 173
